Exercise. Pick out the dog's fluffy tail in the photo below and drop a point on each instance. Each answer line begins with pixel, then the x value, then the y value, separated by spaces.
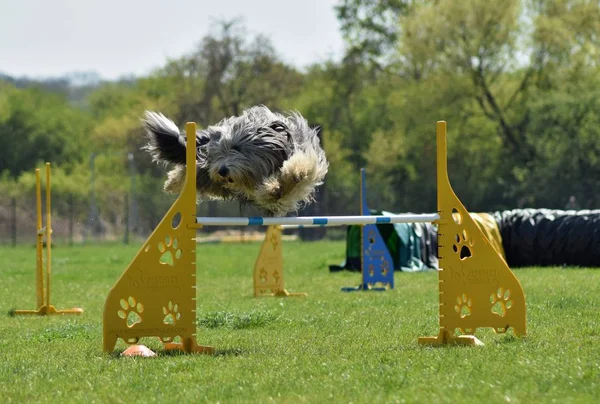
pixel 166 143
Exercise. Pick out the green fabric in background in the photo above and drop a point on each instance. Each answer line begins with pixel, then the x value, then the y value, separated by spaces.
pixel 403 241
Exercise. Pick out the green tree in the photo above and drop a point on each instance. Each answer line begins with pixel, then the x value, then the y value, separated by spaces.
pixel 37 126
pixel 227 72
pixel 370 28
pixel 484 67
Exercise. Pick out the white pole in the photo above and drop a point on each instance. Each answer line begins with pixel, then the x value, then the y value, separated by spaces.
pixel 306 226
pixel 316 220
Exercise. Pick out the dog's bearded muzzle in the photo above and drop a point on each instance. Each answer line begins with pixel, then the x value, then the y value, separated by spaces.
pixel 235 176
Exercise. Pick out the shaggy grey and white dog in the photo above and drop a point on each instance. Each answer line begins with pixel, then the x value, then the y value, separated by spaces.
pixel 270 160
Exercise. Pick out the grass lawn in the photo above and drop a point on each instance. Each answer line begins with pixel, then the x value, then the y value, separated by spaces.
pixel 330 346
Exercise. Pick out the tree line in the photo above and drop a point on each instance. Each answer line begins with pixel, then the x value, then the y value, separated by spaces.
pixel 518 82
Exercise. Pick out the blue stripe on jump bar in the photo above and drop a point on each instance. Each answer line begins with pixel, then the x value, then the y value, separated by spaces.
pixel 255 221
pixel 383 219
pixel 320 220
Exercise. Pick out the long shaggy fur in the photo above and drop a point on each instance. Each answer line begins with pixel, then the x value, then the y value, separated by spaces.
pixel 271 160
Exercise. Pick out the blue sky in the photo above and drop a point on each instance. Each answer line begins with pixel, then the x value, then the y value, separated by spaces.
pixel 42 38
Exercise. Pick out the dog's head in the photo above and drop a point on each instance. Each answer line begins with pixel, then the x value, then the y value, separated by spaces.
pixel 239 152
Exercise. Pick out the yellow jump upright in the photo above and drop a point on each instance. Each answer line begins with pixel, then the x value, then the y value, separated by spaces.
pixel 268 269
pixel 42 273
pixel 477 289
pixel 156 295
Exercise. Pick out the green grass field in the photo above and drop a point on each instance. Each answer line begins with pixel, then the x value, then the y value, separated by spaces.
pixel 328 347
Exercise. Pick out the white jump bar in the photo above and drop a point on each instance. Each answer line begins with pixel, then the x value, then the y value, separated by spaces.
pixel 316 220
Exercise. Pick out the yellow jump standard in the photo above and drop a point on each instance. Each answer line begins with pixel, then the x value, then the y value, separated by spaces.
pixel 42 274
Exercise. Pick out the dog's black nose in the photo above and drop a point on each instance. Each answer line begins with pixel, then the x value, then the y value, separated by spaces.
pixel 223 171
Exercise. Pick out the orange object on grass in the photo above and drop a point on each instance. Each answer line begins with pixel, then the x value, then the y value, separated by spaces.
pixel 138 350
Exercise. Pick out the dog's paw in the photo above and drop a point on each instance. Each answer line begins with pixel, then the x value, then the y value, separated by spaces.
pixel 293 185
pixel 302 167
pixel 272 189
pixel 299 172
pixel 270 198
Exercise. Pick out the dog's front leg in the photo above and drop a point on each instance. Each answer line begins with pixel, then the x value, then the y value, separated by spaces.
pixel 293 185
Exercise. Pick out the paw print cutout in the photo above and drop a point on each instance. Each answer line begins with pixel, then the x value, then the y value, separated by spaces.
pixel 463 306
pixel 463 244
pixel 130 311
pixel 371 270
pixel 170 251
pixel 262 275
pixel 501 302
pixel 274 239
pixel 385 267
pixel 171 312
pixel 371 237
